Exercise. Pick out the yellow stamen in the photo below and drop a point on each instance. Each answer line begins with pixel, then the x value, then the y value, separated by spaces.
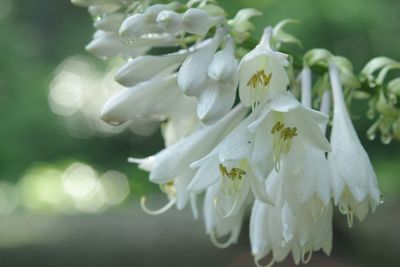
pixel 259 78
pixel 282 141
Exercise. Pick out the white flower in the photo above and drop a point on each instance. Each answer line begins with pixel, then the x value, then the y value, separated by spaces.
pixel 278 230
pixel 284 131
pixel 228 166
pixel 355 188
pixel 171 165
pixel 219 95
pixel 192 77
pixel 146 67
pixel 262 73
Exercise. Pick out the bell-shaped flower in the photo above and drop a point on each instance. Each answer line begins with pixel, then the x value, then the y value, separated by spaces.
pixel 284 130
pixel 192 77
pixel 218 227
pixel 172 163
pixel 279 231
pixel 355 187
pixel 300 185
pixel 228 166
pixel 146 67
pixel 139 24
pixel 219 96
pixel 262 73
pixel 197 21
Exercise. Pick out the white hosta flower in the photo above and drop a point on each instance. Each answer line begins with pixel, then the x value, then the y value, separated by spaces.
pixel 219 96
pixel 137 25
pixel 197 21
pixel 279 231
pixel 228 166
pixel 262 73
pixel 192 77
pixel 355 187
pixel 284 131
pixel 312 179
pixel 170 162
pixel 146 67
pixel 171 165
pixel 218 227
pixel 151 99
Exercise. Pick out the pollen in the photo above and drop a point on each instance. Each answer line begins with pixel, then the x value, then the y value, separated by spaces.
pixel 231 180
pixel 234 174
pixel 282 141
pixel 259 78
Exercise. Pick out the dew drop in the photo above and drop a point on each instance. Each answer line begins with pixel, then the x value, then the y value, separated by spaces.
pixel 381 199
pixel 114 123
pixel 97 18
pixel 371 136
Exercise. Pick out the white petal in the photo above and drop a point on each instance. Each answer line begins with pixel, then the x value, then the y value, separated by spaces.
pixel 150 99
pixel 192 76
pixel 170 21
pixel 224 65
pixel 146 67
pixel 206 175
pixel 172 160
pixel 133 27
pixel 215 101
pixel 197 21
pixel 105 44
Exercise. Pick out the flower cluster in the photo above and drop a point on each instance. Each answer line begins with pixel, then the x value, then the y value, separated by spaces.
pixel 242 127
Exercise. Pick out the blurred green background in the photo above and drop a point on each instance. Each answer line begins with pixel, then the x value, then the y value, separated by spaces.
pixel 42 226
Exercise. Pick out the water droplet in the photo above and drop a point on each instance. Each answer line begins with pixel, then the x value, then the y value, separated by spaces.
pixel 381 199
pixel 386 139
pixel 114 123
pixel 97 18
pixel 129 41
pixel 371 136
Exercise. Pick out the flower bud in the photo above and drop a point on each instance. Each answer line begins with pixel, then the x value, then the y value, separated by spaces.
pixel 196 21
pixel 170 21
